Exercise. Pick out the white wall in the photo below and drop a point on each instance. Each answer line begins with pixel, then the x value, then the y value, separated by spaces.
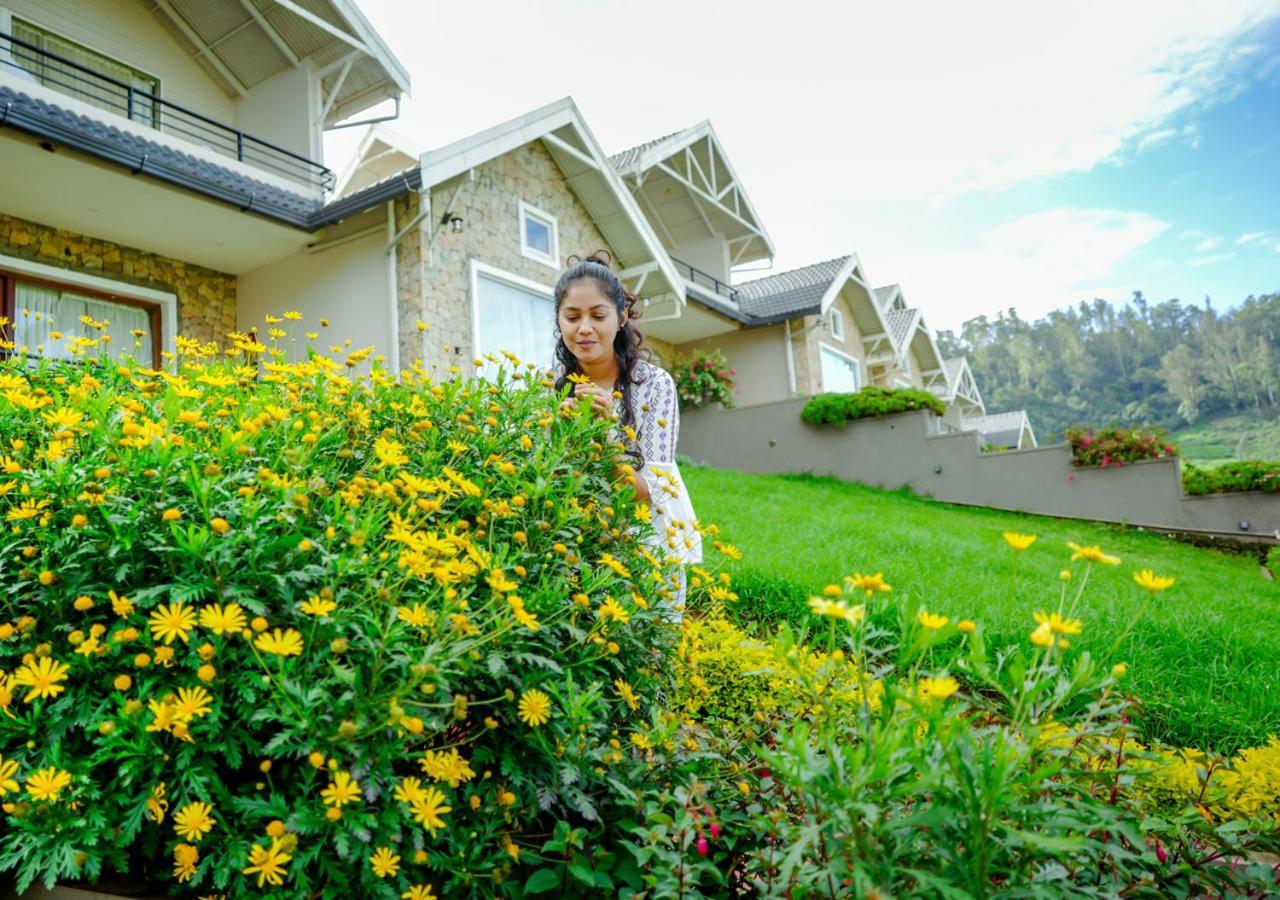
pixel 284 110
pixel 709 254
pixel 127 31
pixel 348 284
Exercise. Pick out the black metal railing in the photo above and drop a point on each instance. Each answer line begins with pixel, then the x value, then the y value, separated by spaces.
pixel 115 96
pixel 701 278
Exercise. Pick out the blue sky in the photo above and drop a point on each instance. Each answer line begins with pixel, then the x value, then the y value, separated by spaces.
pixel 1013 153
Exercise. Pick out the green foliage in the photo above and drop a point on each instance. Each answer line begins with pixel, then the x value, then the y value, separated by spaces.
pixel 356 578
pixel 1212 441
pixel 1115 446
pixel 1244 475
pixel 839 409
pixel 1201 671
pixel 703 378
pixel 1138 364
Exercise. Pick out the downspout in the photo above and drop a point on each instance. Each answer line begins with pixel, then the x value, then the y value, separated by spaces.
pixel 791 358
pixel 393 293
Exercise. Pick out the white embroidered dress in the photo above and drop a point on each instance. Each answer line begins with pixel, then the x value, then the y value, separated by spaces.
pixel 656 414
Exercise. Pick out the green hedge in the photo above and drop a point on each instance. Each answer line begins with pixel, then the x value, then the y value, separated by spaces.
pixel 1246 475
pixel 838 409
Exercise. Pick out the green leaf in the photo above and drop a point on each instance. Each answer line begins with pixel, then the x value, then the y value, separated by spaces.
pixel 542 881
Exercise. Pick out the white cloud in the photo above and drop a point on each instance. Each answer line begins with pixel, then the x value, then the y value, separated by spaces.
pixel 1208 244
pixel 1267 240
pixel 1035 263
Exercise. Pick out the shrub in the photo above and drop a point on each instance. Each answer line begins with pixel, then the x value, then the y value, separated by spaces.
pixel 703 378
pixel 276 625
pixel 1115 446
pixel 1246 475
pixel 838 409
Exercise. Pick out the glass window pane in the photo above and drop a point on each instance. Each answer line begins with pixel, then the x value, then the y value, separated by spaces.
pixel 537 235
pixel 839 375
pixel 515 320
pixel 42 310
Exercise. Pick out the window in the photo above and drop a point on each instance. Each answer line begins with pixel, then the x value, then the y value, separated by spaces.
pixel 511 314
pixel 56 72
pixel 539 236
pixel 837 324
pixel 47 317
pixel 839 372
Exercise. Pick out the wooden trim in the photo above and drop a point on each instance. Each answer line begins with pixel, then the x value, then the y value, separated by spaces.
pixel 9 282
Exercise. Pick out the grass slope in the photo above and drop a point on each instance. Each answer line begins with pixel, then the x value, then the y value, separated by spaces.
pixel 1204 661
pixel 1214 441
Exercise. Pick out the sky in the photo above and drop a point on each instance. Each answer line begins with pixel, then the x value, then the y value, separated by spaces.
pixel 984 156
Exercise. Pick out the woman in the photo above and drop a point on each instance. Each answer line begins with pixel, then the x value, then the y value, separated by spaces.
pixel 597 338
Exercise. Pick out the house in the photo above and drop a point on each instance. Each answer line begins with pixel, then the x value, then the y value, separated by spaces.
pixel 1003 431
pixel 161 163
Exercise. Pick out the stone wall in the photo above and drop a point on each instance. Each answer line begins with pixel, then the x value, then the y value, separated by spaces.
pixel 906 451
pixel 433 282
pixel 206 299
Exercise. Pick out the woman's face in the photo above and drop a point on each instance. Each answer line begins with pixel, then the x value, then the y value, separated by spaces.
pixel 588 321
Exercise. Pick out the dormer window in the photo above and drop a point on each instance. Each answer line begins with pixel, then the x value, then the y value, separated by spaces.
pixel 837 324
pixel 539 236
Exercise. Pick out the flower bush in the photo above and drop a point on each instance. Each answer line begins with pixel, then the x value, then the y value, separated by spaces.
pixel 838 409
pixel 1246 475
pixel 1115 446
pixel 269 627
pixel 703 378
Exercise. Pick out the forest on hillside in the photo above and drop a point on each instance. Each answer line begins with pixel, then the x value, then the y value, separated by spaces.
pixel 1168 364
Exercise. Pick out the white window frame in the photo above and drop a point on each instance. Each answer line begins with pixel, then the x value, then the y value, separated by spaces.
pixel 859 382
pixel 528 210
pixel 479 268
pixel 167 302
pixel 837 323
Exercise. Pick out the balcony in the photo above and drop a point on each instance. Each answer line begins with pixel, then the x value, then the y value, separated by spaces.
pixel 37 66
pixel 702 279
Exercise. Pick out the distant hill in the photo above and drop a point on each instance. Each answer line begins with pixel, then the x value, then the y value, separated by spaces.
pixel 1141 364
pixel 1218 440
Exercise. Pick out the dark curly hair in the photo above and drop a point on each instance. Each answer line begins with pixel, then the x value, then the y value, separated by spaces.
pixel 628 343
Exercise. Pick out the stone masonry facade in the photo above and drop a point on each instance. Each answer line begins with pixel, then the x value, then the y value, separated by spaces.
pixel 434 285
pixel 206 299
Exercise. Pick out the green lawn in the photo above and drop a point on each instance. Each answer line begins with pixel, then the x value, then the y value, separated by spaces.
pixel 1204 663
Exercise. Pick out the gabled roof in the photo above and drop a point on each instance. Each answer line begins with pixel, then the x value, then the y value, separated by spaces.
pixel 381 152
pixel 890 296
pixel 1003 429
pixel 242 44
pixel 798 292
pixel 901 325
pixel 961 385
pixel 560 126
pixel 688 188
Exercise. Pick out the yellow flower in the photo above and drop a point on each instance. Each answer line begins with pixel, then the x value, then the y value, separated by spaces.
pixel 389 453
pixel 268 863
pixel 42 676
pixel 1152 582
pixel 967 626
pixel 868 584
pixel 1042 636
pixel 1119 670
pixel 384 862
pixel 535 708
pixel 185 857
pixel 317 606
pixel 8 769
pixel 932 621
pixel 47 784
pixel 1019 542
pixel 219 525
pixel 229 619
pixel 417 615
pixel 343 789
pixel 1059 625
pixel 523 616
pixel 1064 575
pixel 578 378
pixel 192 704
pixel 171 515
pixel 206 673
pixel 409 790
pixel 612 609
pixel 121 606
pixel 194 821
pixel 173 621
pixel 837 609
pixel 281 642
pixel 448 766
pixel 626 693
pixel 938 688
pixel 122 683
pixel 156 804
pixel 1092 554
pixel 428 810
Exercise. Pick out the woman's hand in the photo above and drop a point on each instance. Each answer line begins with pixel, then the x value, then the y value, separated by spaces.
pixel 601 400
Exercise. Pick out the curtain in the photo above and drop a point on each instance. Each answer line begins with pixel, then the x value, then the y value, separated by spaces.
pixel 42 309
pixel 516 320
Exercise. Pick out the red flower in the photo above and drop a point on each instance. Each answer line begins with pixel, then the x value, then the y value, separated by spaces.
pixel 703 846
pixel 715 829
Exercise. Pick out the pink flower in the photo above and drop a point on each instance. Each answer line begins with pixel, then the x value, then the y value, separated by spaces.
pixel 1161 853
pixel 733 371
pixel 715 829
pixel 703 846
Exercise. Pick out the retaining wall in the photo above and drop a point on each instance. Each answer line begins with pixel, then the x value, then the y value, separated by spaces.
pixel 906 451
